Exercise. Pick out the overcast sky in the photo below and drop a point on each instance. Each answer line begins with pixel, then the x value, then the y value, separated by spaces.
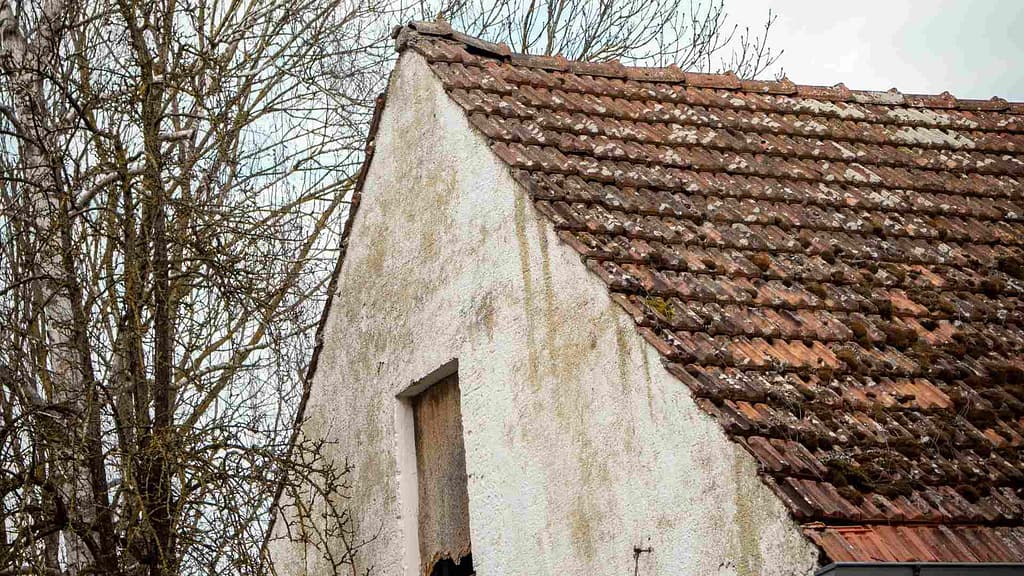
pixel 972 48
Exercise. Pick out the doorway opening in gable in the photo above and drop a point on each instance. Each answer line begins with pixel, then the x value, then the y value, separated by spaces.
pixel 439 456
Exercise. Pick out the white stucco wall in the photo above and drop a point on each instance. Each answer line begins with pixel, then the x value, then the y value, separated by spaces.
pixel 579 444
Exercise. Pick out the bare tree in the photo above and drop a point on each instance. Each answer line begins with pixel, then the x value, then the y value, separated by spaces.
pixel 172 171
pixel 696 36
pixel 173 177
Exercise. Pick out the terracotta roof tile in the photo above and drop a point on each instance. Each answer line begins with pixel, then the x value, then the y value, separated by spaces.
pixel 837 275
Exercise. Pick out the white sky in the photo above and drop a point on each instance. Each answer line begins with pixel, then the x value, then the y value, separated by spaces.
pixel 972 48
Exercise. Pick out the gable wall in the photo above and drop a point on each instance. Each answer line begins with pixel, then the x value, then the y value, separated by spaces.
pixel 579 445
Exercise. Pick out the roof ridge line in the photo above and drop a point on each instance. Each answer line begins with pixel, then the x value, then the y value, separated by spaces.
pixel 474 48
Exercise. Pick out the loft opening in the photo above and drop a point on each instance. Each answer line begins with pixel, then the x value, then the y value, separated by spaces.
pixel 441 496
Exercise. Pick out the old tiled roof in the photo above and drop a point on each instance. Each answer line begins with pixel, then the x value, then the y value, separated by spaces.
pixel 836 275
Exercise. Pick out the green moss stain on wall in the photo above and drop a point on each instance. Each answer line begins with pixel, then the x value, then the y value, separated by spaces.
pixel 746 537
pixel 533 381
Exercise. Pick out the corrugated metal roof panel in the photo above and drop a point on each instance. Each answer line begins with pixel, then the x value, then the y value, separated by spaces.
pixel 921 569
pixel 909 543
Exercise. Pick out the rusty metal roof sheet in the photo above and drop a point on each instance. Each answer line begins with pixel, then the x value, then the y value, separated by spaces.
pixel 837 275
pixel 903 543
